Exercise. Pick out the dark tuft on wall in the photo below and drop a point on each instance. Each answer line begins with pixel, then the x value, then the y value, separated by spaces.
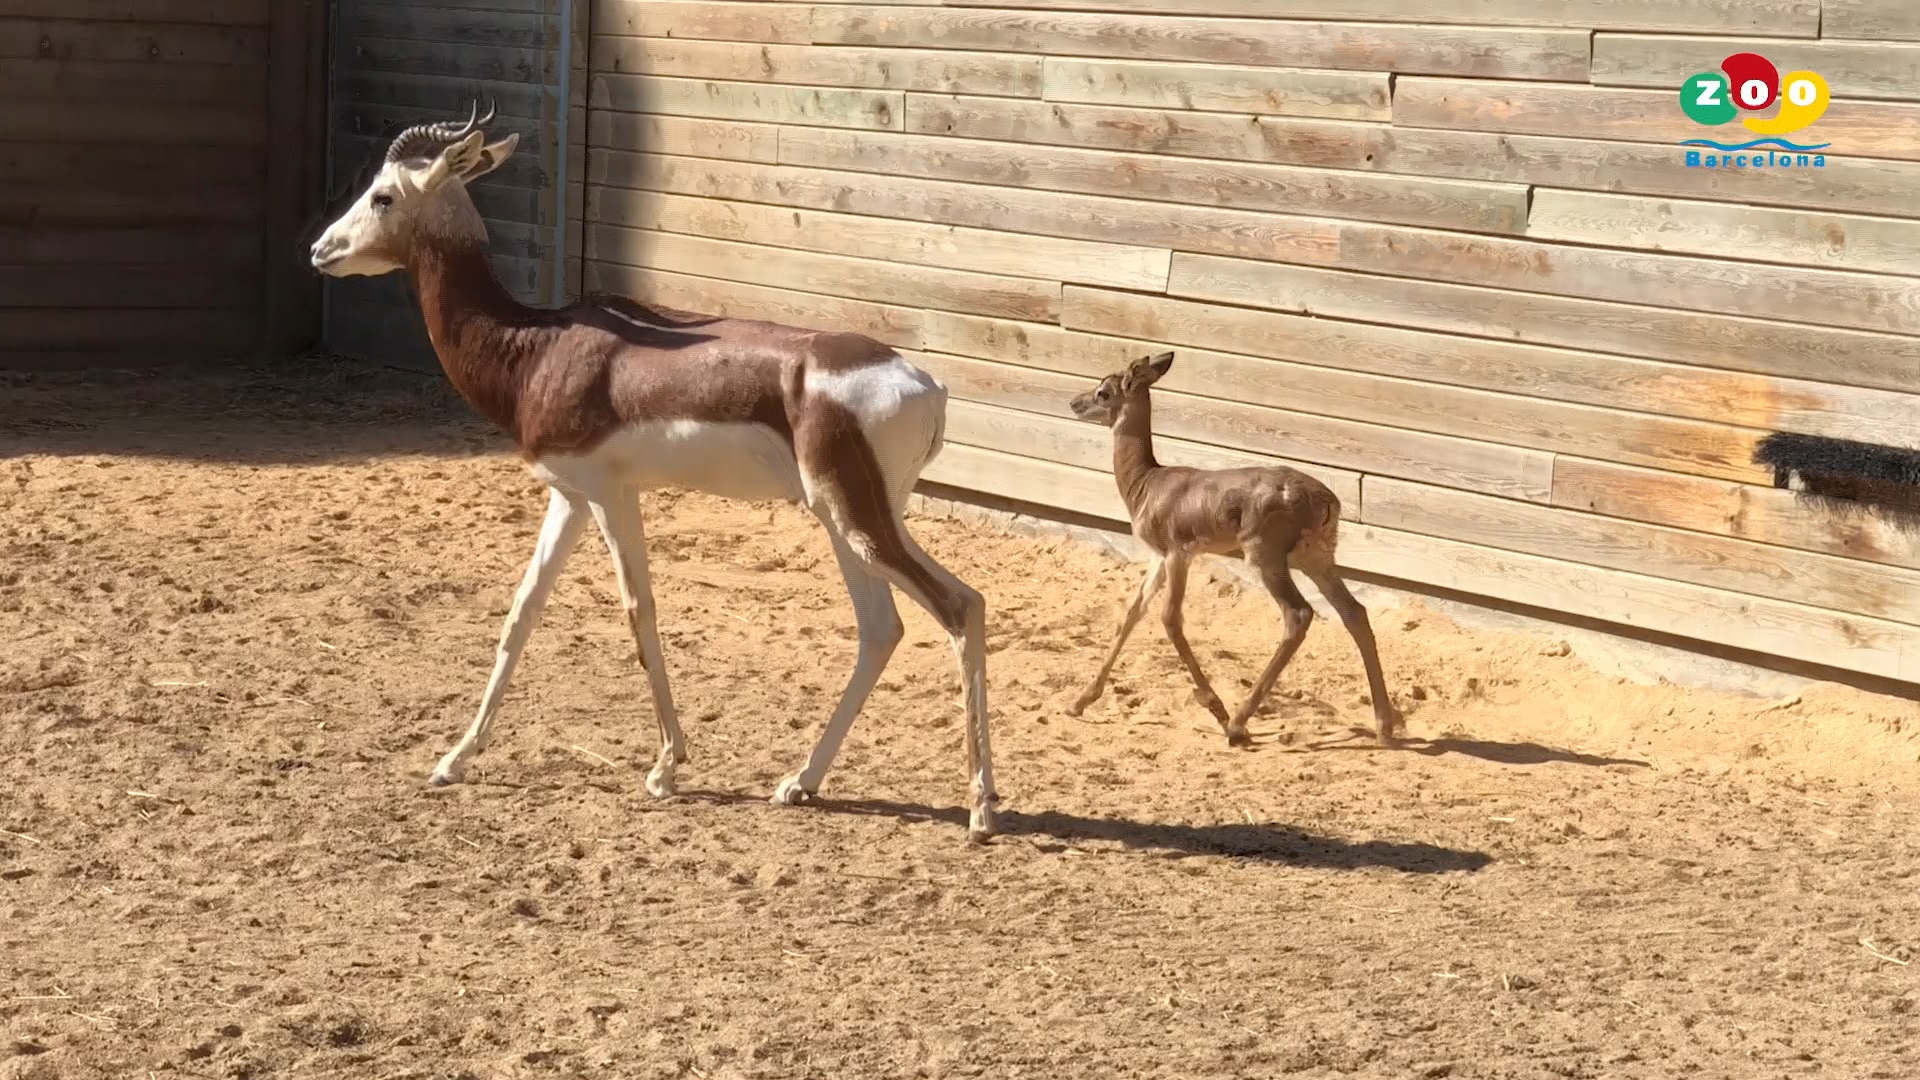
pixel 1860 472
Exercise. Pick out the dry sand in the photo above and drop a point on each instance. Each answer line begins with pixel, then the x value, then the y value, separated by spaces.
pixel 243 612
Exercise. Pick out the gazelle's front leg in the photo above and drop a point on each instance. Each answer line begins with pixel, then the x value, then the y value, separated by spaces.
pixel 1156 573
pixel 559 533
pixel 619 519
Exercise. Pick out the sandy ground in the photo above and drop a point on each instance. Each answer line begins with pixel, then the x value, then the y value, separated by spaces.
pixel 242 614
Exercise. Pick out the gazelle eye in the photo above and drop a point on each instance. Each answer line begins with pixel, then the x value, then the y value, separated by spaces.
pixel 383 200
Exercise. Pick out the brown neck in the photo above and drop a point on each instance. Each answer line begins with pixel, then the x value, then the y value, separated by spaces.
pixel 483 336
pixel 1133 460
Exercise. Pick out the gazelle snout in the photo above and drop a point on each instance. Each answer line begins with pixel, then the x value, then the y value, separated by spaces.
pixel 326 250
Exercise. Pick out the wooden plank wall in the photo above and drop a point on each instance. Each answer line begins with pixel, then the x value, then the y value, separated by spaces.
pixel 134 198
pixel 397 63
pixel 1455 267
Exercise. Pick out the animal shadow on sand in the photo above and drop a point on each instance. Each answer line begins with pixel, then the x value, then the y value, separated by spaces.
pixel 1500 753
pixel 1278 844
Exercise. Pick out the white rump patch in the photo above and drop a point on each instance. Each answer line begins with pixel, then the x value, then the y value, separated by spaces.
pixel 901 409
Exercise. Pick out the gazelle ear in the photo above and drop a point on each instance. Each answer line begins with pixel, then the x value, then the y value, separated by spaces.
pixel 449 163
pixel 1147 370
pixel 490 157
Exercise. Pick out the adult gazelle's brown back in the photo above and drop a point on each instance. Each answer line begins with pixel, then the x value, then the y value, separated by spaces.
pixel 609 397
pixel 1275 517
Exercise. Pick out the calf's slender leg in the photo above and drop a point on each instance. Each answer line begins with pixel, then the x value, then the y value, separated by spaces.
pixel 559 534
pixel 1270 559
pixel 1156 575
pixel 1173 617
pixel 1353 616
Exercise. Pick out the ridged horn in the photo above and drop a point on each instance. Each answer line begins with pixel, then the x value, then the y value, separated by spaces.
pixel 425 140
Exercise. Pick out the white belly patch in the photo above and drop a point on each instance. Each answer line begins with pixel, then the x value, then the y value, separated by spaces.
pixel 732 460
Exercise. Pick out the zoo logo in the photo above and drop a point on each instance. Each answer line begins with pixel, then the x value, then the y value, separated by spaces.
pixel 1748 82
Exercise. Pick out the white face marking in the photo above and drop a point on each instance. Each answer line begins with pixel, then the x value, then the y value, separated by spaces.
pixel 356 242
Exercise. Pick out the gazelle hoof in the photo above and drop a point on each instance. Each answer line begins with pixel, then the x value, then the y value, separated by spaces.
pixel 660 783
pixel 790 793
pixel 1239 738
pixel 450 771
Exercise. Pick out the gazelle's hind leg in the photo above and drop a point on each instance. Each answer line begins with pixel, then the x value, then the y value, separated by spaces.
pixel 878 624
pixel 621 524
pixel 1316 561
pixel 559 534
pixel 844 481
pixel 962 612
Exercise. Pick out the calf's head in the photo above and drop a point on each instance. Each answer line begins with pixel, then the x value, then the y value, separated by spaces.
pixel 1104 403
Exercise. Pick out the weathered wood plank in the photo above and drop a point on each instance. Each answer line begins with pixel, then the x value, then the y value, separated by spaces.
pixel 1677 554
pixel 982 250
pixel 769 102
pixel 175 284
pixel 438 59
pixel 1856 128
pixel 211 172
pixel 683 136
pixel 1826 297
pixel 1295 437
pixel 456 25
pixel 732 21
pixel 1860 185
pixel 1450 204
pixel 1850 357
pixel 1767 515
pixel 147 43
pixel 53 206
pixel 1030 480
pixel 208 245
pixel 835 275
pixel 106 81
pixel 1760 625
pixel 1785 18
pixel 1728 231
pixel 1346 95
pixel 897 326
pixel 1480 52
pixel 1382 383
pixel 136 330
pixel 1046 213
pixel 161 124
pixel 1586 378
pixel 1876 20
pixel 209 12
pixel 1070 362
pixel 938 71
pixel 1084 446
pixel 1869 69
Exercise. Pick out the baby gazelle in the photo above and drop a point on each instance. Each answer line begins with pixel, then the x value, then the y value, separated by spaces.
pixel 1277 517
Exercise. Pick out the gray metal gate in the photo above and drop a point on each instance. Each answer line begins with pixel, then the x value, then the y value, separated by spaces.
pixel 404 62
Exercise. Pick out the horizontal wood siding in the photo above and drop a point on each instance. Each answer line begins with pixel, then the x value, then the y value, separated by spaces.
pixel 398 63
pixel 134 203
pixel 1453 263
